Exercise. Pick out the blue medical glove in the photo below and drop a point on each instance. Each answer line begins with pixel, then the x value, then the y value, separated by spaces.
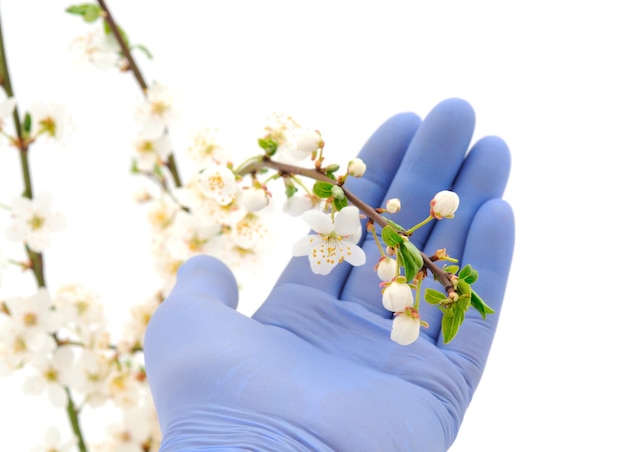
pixel 314 368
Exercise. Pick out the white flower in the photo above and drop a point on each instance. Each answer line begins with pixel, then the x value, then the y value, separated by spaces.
pixel 397 296
pixel 307 141
pixel 93 370
pixel 52 376
pixel 405 328
pixel 205 147
pixel 190 235
pixel 296 205
pixel 386 268
pixel 218 182
pixel 161 213
pixel 356 167
pixel 393 205
pixel 155 113
pixel 134 330
pixel 81 311
pixel 334 242
pixel 248 231
pixel 98 48
pixel 49 119
pixel 255 199
pixel 54 443
pixel 444 204
pixel 33 319
pixel 34 221
pixel 151 152
pixel 4 263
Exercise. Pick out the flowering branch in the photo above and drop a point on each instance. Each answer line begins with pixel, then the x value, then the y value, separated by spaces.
pixel 125 49
pixel 318 174
pixel 35 259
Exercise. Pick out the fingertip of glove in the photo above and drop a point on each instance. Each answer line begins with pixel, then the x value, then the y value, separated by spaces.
pixel 208 276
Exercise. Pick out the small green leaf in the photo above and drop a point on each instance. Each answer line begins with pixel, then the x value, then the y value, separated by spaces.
pixel 433 296
pixel 391 237
pixel 89 11
pixel 290 190
pixel 396 226
pixel 340 203
pixel 452 269
pixel 481 306
pixel 28 122
pixel 268 145
pixel 468 274
pixel 143 49
pixel 411 259
pixel 450 324
pixel 463 287
pixel 323 189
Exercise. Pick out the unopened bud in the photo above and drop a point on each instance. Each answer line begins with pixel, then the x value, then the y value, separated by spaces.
pixel 356 167
pixel 393 205
pixel 444 204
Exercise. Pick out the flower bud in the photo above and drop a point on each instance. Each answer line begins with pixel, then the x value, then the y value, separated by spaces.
pixel 397 296
pixel 393 205
pixel 254 199
pixel 308 141
pixel 386 268
pixel 444 204
pixel 356 167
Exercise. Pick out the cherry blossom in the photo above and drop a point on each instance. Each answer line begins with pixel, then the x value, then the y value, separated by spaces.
pixel 218 182
pixel 336 240
pixel 34 221
pixel 151 152
pixel 156 112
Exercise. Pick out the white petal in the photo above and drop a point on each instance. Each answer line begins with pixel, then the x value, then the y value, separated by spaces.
pixel 347 222
pixel 57 395
pixel 352 253
pixel 318 221
pixel 304 245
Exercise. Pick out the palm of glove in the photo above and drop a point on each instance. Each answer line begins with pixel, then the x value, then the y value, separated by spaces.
pixel 314 369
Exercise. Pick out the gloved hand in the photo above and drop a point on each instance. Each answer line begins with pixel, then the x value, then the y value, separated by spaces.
pixel 314 368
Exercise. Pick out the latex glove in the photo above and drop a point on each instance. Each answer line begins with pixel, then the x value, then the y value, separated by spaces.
pixel 314 368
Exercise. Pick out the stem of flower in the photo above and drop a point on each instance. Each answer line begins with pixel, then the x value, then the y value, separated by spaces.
pixel 36 259
pixel 72 413
pixel 171 162
pixel 419 225
pixel 123 45
pixel 284 168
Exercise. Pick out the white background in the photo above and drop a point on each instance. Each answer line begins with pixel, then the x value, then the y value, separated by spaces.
pixel 547 76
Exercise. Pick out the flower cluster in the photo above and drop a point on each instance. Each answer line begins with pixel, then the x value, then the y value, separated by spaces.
pixel 61 341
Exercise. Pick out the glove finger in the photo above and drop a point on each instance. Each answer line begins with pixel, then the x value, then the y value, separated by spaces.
pixel 431 164
pixel 489 250
pixel 382 153
pixel 203 296
pixel 484 176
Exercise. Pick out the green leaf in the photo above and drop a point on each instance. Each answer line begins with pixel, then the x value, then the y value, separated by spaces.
pixel 433 296
pixel 481 306
pixel 450 324
pixel 290 190
pixel 143 49
pixel 268 145
pixel 323 189
pixel 391 237
pixel 463 287
pixel 340 203
pixel 452 269
pixel 28 122
pixel 468 274
pixel 89 11
pixel 396 226
pixel 412 259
